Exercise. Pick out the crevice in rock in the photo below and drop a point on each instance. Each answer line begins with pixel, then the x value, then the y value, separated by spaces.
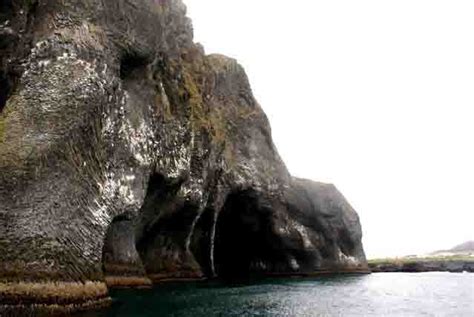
pixel 244 242
pixel 5 88
pixel 3 94
pixel 31 8
pixel 201 242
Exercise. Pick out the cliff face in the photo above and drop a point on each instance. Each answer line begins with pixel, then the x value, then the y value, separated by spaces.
pixel 126 150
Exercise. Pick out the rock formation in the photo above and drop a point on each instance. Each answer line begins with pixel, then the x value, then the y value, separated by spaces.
pixel 125 149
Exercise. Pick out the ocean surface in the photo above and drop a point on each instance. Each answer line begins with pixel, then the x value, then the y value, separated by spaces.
pixel 381 294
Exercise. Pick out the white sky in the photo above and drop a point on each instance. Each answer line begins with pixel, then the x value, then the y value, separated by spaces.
pixel 374 96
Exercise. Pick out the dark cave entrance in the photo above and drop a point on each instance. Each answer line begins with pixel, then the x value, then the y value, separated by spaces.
pixel 132 62
pixel 244 241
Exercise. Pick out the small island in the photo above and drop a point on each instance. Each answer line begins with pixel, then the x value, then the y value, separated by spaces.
pixel 458 259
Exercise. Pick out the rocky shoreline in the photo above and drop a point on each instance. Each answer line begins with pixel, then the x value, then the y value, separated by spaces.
pixel 421 265
pixel 52 298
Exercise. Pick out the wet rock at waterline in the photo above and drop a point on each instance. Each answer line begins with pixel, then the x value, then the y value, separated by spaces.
pixel 128 155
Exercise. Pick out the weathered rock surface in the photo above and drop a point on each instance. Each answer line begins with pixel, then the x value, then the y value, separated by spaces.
pixel 125 149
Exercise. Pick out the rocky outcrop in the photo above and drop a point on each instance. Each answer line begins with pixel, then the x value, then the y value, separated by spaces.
pixel 127 152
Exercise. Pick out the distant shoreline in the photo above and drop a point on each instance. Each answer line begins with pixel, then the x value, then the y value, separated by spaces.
pixel 454 263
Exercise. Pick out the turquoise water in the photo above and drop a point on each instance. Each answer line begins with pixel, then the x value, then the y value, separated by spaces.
pixel 382 294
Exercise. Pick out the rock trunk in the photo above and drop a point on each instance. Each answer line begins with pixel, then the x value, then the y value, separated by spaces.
pixel 126 150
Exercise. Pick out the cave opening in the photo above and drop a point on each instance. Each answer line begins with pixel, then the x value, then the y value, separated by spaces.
pixel 244 242
pixel 130 63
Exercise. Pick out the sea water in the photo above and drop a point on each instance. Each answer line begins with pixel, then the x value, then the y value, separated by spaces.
pixel 381 294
